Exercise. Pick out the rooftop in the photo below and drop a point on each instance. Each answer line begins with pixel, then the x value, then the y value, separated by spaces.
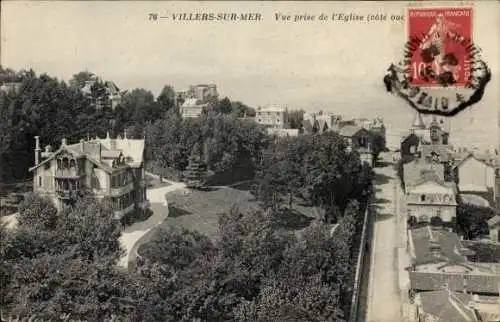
pixel 437 246
pixel 448 306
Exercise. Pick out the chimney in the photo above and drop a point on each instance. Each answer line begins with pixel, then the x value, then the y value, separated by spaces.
pixel 82 143
pixel 37 150
pixel 125 134
pixel 64 142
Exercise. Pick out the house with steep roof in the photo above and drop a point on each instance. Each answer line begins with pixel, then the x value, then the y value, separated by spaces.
pixel 476 177
pixel 358 139
pixel 114 95
pixel 439 258
pixel 106 168
pixel 431 197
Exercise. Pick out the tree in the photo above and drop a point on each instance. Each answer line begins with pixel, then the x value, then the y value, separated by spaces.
pixel 295 118
pixel 472 220
pixel 38 212
pixel 195 171
pixel 78 80
pixel 166 99
pixel 225 106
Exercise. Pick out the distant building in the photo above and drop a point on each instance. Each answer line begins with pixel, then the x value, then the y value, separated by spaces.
pixel 192 107
pixel 439 259
pixel 420 135
pixel 431 197
pixel 201 92
pixel 360 140
pixel 113 93
pixel 320 122
pixel 272 117
pixel 107 168
pixel 475 176
pixel 11 87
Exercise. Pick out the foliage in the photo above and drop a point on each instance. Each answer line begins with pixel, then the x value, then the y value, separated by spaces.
pixel 472 220
pixel 66 264
pixel 317 169
pixel 295 119
pixel 227 144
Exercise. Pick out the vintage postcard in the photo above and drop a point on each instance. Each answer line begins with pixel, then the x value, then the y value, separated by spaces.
pixel 253 161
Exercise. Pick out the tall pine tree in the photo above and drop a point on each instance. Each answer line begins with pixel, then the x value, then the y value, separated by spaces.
pixel 196 170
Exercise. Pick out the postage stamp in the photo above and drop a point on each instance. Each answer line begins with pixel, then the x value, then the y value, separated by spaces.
pixel 441 59
pixel 442 71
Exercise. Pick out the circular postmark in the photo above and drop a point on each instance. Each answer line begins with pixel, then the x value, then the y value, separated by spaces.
pixel 442 72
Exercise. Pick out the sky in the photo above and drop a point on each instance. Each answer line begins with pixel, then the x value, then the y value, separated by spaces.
pixel 333 66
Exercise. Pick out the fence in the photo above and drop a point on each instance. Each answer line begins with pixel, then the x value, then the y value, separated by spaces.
pixel 361 267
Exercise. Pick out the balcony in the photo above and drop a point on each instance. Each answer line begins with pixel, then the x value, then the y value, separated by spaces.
pixel 120 191
pixel 67 173
pixel 65 194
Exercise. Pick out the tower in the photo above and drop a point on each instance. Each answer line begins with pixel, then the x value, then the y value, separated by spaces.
pixel 435 131
pixel 418 122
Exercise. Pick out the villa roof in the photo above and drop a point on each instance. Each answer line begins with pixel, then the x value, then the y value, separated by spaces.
pixel 132 150
pixel 350 130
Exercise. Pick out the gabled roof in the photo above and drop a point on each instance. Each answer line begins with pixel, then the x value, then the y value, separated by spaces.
pixel 351 130
pixel 468 157
pixel 447 242
pixel 64 148
pixel 444 305
pixel 322 126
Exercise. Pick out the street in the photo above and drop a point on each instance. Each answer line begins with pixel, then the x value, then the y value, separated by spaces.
pixel 384 302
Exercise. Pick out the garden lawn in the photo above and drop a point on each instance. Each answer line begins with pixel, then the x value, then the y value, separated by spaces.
pixel 199 210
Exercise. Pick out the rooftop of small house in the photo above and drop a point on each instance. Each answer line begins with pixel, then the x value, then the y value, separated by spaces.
pixel 459 306
pixel 434 245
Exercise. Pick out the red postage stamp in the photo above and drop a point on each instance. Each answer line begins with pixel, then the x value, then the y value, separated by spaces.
pixel 441 57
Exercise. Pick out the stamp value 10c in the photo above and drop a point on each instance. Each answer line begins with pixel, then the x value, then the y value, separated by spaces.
pixel 441 58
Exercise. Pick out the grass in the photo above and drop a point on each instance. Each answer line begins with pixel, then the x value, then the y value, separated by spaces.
pixel 199 211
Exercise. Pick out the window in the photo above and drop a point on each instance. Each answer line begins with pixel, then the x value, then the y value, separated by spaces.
pixel 277 120
pixel 39 181
pixel 438 212
pixel 412 149
pixel 422 198
pixel 47 166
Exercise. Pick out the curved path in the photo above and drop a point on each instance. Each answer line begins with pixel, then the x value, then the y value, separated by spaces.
pixel 132 234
